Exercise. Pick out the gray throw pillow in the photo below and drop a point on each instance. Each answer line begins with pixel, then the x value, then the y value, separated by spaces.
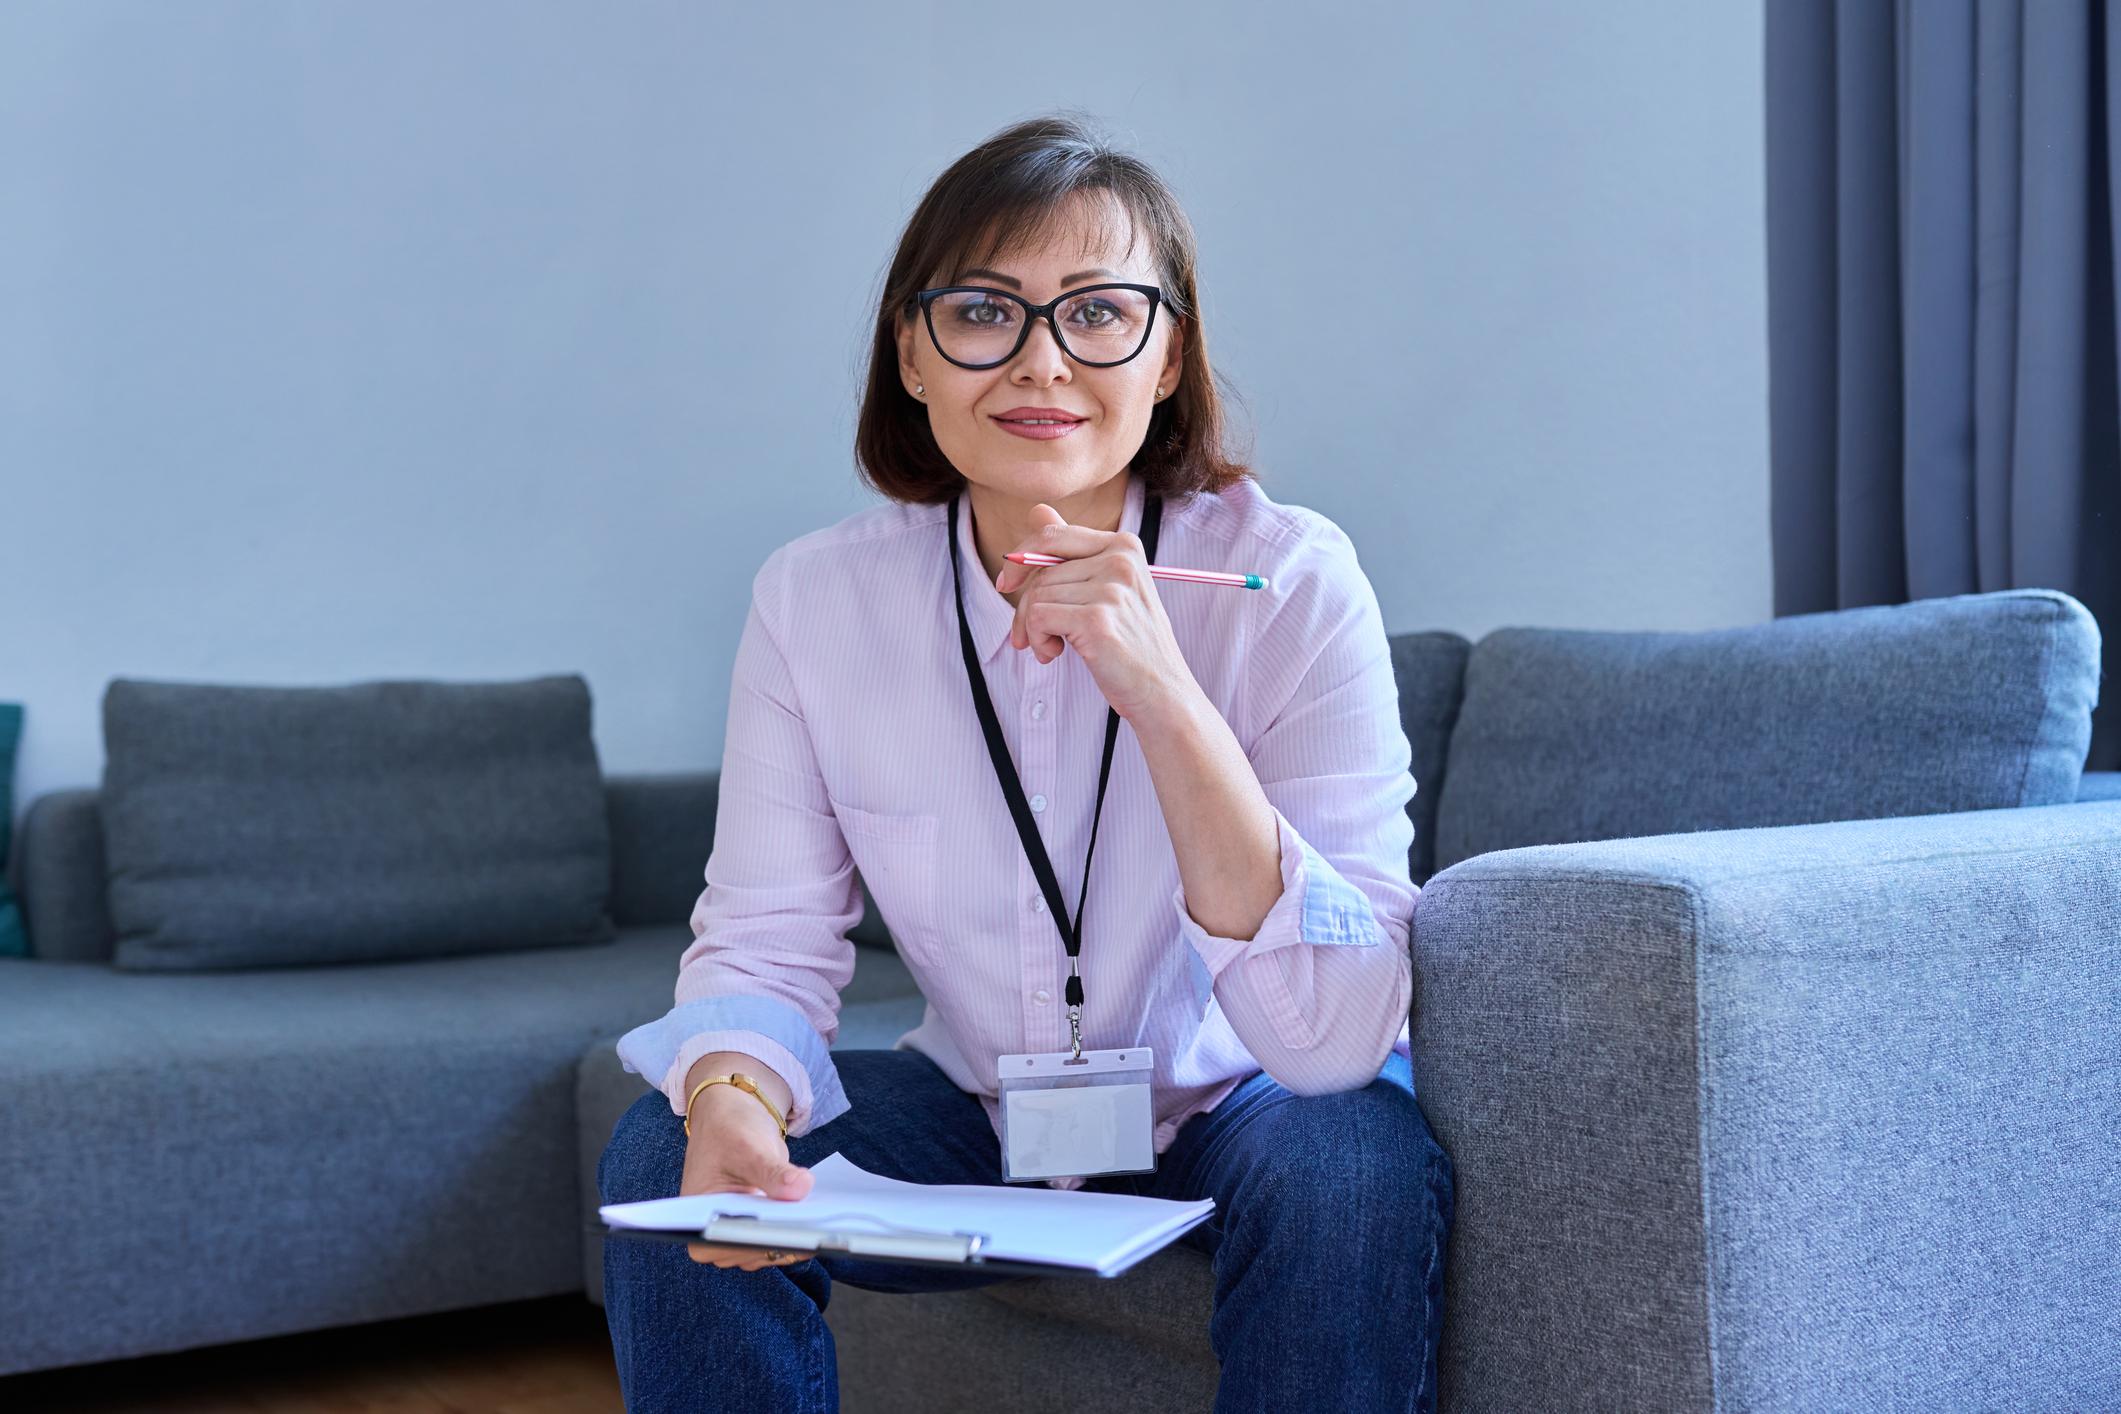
pixel 289 826
pixel 1962 702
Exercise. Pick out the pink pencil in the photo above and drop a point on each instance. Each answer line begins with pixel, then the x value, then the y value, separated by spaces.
pixel 1235 581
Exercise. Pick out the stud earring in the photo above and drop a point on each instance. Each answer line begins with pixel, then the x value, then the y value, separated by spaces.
pixel 1159 392
pixel 919 388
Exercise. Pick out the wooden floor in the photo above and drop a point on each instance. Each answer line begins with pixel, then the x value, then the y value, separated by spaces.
pixel 533 1357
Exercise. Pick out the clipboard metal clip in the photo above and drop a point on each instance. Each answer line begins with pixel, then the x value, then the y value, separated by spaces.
pixel 894 1241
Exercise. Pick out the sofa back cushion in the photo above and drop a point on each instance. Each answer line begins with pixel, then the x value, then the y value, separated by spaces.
pixel 282 826
pixel 662 830
pixel 1430 667
pixel 1968 702
pixel 64 891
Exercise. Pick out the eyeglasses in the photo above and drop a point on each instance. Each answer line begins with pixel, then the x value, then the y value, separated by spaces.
pixel 975 326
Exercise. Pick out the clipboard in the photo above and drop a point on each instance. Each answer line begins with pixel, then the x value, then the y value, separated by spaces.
pixel 916 1247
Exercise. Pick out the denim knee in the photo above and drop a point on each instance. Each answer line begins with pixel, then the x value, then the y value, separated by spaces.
pixel 645 1157
pixel 1404 1156
pixel 1369 1145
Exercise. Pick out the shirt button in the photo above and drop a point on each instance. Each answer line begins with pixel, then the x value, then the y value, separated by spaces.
pixel 1038 905
pixel 1038 802
pixel 1042 996
pixel 1038 709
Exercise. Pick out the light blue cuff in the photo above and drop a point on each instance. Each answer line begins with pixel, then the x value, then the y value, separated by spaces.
pixel 651 1049
pixel 1335 911
pixel 1317 905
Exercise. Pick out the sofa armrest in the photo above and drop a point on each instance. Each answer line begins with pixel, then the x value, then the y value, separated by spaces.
pixel 1824 1108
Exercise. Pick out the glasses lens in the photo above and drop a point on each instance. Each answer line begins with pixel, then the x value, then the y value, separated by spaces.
pixel 1104 326
pixel 972 327
pixel 1097 326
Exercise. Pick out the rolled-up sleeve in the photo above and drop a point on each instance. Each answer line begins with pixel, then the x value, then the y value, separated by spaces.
pixel 770 951
pixel 1320 992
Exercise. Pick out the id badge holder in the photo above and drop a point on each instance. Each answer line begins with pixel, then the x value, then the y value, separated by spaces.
pixel 1066 1118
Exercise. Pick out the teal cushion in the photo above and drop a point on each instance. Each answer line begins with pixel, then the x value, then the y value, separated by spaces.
pixel 14 937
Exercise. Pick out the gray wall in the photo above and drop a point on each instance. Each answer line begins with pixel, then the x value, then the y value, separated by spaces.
pixel 353 340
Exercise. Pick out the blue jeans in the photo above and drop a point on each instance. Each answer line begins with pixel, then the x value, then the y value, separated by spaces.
pixel 1328 1237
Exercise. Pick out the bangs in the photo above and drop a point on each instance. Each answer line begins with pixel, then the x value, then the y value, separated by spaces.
pixel 1020 222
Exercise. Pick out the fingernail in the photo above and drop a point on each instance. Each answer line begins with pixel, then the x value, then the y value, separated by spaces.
pixel 788 1177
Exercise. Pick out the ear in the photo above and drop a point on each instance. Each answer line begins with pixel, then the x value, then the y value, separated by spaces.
pixel 1174 359
pixel 909 375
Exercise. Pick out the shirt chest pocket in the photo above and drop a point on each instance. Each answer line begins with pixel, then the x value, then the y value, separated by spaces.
pixel 896 856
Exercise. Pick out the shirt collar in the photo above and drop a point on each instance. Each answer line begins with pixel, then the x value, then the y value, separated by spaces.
pixel 987 610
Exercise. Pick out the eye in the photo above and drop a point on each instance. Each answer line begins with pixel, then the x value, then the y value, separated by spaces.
pixel 1096 313
pixel 983 313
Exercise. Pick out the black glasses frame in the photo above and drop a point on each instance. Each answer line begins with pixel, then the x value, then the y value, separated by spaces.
pixel 1035 312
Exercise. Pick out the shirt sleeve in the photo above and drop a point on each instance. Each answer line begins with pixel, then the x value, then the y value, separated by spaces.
pixel 770 951
pixel 1320 992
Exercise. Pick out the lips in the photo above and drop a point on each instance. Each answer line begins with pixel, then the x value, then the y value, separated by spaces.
pixel 1028 414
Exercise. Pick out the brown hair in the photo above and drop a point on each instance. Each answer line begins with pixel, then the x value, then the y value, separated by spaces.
pixel 1013 191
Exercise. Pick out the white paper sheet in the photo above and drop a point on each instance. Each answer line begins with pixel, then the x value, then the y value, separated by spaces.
pixel 1102 1232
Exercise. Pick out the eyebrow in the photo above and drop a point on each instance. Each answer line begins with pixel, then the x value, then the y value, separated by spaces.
pixel 1015 283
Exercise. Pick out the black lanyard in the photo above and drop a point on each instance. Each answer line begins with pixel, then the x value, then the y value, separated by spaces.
pixel 1012 788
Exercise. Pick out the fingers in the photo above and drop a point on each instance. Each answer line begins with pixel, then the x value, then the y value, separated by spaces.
pixel 746 1259
pixel 777 1178
pixel 1076 582
pixel 1070 542
pixel 1067 618
pixel 772 1174
pixel 1074 541
pixel 1077 547
pixel 1042 624
pixel 746 1169
pixel 1083 569
pixel 1021 635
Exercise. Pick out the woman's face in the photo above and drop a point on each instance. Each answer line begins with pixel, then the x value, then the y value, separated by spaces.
pixel 965 405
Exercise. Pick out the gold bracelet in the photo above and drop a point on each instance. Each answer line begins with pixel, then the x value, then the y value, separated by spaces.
pixel 742 1082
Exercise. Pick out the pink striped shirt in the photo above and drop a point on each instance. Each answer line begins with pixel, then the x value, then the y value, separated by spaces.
pixel 853 744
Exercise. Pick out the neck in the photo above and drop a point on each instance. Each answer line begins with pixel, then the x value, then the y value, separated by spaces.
pixel 1001 522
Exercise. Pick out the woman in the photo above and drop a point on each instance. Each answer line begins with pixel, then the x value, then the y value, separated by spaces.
pixel 1252 905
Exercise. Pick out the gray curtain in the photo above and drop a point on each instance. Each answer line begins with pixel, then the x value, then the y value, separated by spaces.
pixel 1941 333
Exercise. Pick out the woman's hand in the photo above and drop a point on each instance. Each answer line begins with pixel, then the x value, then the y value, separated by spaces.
pixel 1103 604
pixel 735 1148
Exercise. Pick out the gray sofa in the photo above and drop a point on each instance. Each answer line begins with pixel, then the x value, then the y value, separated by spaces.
pixel 1768 1000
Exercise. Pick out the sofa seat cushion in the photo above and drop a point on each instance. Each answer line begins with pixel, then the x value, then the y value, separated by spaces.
pixel 82 1023
pixel 217 1138
pixel 1969 702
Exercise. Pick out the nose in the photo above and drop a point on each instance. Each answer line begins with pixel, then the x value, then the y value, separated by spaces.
pixel 1041 353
